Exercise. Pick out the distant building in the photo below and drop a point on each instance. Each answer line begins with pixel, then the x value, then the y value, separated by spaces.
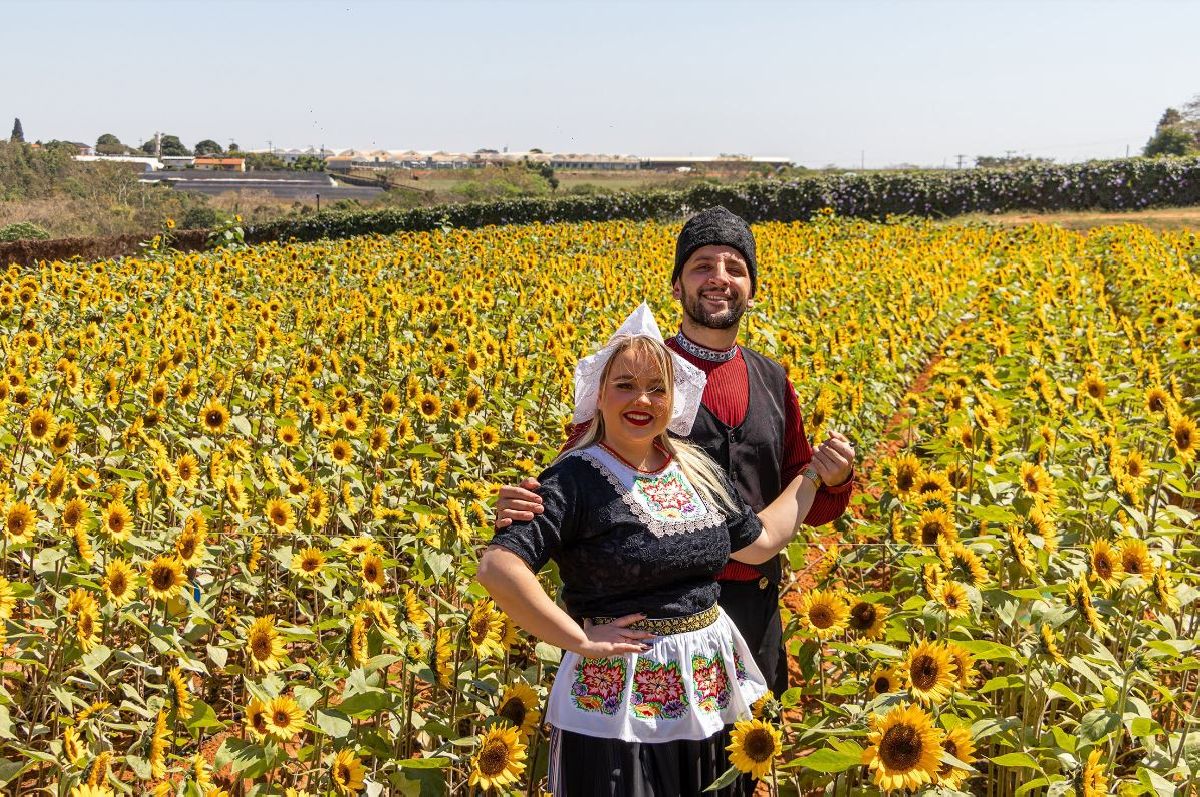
pixel 608 163
pixel 221 164
pixel 177 161
pixel 290 156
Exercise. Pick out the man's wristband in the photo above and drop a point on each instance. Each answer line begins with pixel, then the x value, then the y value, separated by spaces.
pixel 813 476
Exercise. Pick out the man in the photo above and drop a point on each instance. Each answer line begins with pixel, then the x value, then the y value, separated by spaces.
pixel 749 420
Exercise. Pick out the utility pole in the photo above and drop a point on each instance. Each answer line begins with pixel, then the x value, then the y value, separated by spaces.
pixel 862 159
pixel 960 160
pixel 157 144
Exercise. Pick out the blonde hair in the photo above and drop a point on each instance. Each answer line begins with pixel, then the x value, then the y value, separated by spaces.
pixel 697 466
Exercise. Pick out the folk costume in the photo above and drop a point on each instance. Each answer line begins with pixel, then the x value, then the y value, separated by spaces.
pixel 750 423
pixel 627 541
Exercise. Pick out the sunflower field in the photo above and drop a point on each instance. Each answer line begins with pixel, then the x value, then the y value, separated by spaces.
pixel 244 494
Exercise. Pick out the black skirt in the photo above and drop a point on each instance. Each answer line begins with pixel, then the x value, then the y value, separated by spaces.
pixel 588 766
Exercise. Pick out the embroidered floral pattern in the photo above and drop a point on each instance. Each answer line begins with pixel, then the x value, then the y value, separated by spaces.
pixel 739 668
pixel 668 497
pixel 679 509
pixel 658 691
pixel 599 684
pixel 711 682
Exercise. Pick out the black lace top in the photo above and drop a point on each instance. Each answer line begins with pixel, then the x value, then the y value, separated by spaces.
pixel 628 541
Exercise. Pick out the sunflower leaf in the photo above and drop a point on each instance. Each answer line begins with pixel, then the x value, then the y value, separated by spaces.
pixel 728 777
pixel 830 761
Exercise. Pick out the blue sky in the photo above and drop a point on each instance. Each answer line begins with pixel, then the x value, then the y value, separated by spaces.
pixel 879 83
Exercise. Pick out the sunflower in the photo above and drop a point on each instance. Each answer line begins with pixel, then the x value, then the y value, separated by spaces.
pixel 905 472
pixel 439 657
pixel 71 749
pixel 1105 563
pixel 116 521
pixel 1183 437
pixel 341 452
pixel 963 564
pixel 180 693
pixel 308 563
pixel 953 598
pixel 1018 545
pixel 414 610
pixel 867 619
pixel 187 470
pixel 371 570
pixel 20 523
pixel 519 706
pixel 1045 527
pixel 99 770
pixel 280 517
pixel 359 651
pixel 87 628
pixel 1157 400
pixel 63 437
pixel 753 747
pixel 256 719
pixel 932 576
pixel 214 416
pixel 379 439
pixel 1036 484
pixel 933 482
pixel 158 746
pixel 284 718
pixel 380 614
pixel 483 630
pixel 1094 386
pixel 933 527
pixel 1164 592
pixel 263 645
pixel 905 749
pixel 316 509
pixel 958 743
pixel 88 790
pixel 8 599
pixel 430 406
pixel 347 772
pixel 164 577
pixel 41 425
pixel 964 664
pixel 1079 598
pixel 1091 781
pixel 1048 645
pixel 885 680
pixel 823 613
pixel 929 672
pixel 120 583
pixel 389 403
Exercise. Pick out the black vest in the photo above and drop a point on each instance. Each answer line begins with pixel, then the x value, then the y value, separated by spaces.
pixel 752 453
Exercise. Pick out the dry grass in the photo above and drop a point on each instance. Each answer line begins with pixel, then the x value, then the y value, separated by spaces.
pixel 1159 219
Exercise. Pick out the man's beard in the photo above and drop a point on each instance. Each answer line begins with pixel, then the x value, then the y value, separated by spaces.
pixel 694 307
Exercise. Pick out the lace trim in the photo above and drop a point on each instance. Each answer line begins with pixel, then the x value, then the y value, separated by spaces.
pixel 710 355
pixel 655 526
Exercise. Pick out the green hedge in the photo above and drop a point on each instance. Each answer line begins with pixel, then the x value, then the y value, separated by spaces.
pixel 1130 184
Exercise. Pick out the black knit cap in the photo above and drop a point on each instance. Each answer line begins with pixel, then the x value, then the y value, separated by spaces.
pixel 716 225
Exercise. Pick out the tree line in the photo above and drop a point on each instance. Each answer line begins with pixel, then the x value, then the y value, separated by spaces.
pixel 1177 131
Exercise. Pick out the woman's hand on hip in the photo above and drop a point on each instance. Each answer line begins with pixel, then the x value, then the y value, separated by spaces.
pixel 615 638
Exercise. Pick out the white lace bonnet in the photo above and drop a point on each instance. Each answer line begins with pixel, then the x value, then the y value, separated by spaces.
pixel 689 380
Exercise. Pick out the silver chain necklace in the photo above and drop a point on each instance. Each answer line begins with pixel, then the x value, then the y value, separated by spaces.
pixel 696 350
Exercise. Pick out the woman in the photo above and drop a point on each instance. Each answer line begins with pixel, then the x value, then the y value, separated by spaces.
pixel 639 524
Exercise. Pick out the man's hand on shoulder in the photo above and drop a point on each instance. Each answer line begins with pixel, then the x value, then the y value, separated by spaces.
pixel 518 503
